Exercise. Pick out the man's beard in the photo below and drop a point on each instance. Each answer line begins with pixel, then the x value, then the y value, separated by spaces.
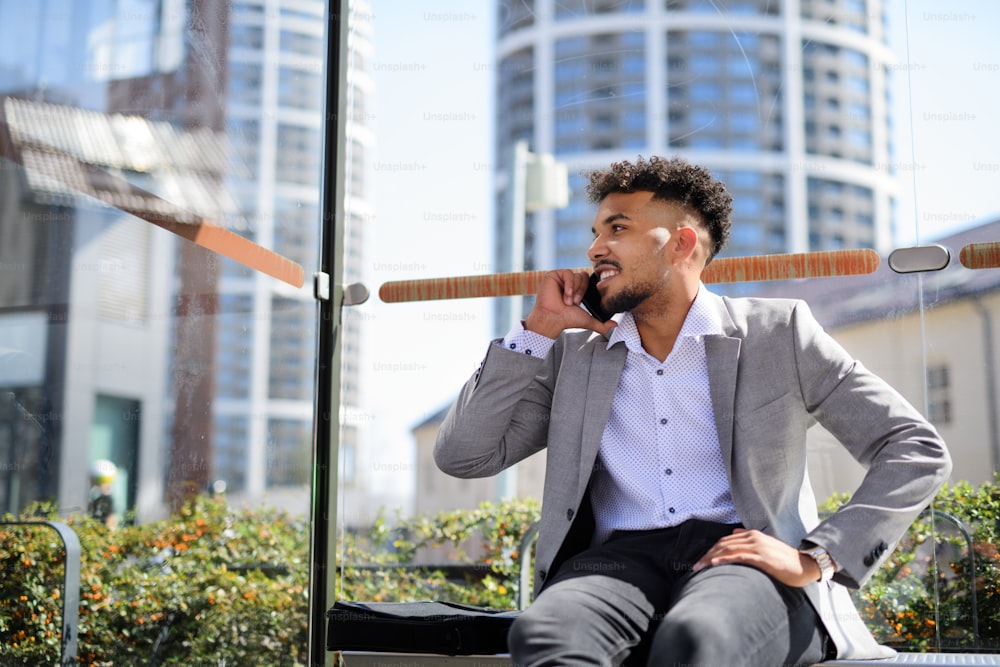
pixel 629 298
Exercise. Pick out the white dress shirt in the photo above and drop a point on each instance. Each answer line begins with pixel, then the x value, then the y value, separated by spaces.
pixel 660 462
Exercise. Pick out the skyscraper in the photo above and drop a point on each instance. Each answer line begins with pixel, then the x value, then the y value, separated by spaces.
pixel 787 102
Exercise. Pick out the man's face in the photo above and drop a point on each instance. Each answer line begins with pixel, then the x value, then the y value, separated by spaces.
pixel 632 236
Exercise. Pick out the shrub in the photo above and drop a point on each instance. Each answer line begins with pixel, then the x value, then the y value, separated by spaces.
pixel 484 543
pixel 171 592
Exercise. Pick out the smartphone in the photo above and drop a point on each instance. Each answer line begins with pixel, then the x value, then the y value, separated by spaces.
pixel 592 300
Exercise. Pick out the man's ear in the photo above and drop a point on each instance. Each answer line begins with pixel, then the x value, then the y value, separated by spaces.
pixel 686 242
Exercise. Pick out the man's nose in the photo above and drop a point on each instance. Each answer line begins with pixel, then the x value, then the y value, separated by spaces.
pixel 597 249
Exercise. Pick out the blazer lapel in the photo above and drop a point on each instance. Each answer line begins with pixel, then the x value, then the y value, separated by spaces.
pixel 605 371
pixel 722 352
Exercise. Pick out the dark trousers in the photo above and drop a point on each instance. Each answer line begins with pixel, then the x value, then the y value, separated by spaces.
pixel 634 600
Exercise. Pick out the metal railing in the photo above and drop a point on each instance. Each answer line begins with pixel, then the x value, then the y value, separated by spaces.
pixel 70 585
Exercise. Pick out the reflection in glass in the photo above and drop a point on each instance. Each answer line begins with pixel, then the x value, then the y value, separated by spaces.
pixel 170 356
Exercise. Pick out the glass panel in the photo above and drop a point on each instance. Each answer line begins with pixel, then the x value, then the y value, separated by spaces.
pixel 160 164
pixel 855 125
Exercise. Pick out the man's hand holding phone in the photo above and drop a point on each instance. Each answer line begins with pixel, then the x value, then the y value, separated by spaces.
pixel 557 305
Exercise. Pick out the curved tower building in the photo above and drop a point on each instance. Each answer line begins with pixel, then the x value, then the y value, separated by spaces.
pixel 785 100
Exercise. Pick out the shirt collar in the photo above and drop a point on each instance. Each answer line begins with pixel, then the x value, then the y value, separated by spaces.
pixel 702 320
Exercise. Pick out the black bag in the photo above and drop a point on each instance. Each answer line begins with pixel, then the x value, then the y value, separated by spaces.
pixel 443 628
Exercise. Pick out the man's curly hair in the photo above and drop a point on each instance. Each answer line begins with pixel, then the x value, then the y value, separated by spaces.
pixel 672 179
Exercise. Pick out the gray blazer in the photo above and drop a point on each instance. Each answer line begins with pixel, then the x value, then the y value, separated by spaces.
pixel 773 373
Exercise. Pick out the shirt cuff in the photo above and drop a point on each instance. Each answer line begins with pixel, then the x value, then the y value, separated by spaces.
pixel 527 342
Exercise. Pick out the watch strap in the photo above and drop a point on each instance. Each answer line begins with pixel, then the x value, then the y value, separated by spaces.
pixel 827 568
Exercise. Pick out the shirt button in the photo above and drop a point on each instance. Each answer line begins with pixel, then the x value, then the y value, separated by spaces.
pixel 659 371
pixel 671 510
pixel 663 420
pixel 512 346
pixel 669 471
pixel 569 514
pixel 528 352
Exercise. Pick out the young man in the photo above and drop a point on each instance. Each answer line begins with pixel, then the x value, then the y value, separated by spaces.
pixel 677 519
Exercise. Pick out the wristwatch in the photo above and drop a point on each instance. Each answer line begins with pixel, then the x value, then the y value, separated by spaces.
pixel 826 565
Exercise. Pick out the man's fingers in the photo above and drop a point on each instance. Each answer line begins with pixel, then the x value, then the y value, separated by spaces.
pixel 734 547
pixel 568 284
pixel 569 291
pixel 576 285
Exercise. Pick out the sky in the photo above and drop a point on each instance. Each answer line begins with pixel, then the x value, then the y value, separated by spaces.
pixel 431 187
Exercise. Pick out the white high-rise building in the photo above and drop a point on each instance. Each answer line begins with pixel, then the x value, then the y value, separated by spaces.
pixel 785 100
pixel 274 119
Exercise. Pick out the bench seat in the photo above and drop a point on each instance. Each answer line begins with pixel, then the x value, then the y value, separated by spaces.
pixel 367 659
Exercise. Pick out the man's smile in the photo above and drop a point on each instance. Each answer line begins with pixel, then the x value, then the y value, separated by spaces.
pixel 606 272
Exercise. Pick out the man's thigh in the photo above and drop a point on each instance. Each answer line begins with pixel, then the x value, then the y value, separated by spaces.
pixel 732 615
pixel 596 607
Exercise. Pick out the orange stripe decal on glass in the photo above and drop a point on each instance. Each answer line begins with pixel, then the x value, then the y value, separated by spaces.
pixel 195 229
pixel 980 255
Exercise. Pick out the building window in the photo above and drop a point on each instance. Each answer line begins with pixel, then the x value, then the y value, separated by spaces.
pixel 601 80
pixel 712 76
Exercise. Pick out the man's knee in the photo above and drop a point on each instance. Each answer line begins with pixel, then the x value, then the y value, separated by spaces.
pixel 690 641
pixel 545 623
pixel 525 627
pixel 516 635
